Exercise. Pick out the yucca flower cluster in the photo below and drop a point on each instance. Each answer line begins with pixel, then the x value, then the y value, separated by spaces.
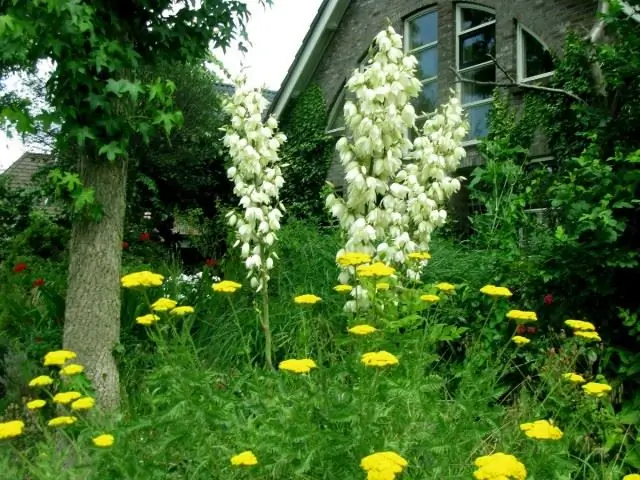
pixel 255 172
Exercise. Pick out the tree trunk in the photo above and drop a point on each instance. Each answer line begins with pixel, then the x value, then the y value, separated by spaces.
pixel 92 315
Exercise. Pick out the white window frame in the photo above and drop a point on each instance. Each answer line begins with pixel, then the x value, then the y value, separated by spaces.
pixel 520 55
pixel 459 31
pixel 426 46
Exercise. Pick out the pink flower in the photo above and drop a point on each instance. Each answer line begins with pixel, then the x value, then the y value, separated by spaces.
pixel 548 299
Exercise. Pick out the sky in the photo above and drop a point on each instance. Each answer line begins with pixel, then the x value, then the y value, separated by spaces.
pixel 275 34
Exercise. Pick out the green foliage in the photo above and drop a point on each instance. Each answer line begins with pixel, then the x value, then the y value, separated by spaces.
pixel 307 155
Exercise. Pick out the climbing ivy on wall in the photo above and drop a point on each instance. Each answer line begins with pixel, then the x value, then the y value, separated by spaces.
pixel 307 155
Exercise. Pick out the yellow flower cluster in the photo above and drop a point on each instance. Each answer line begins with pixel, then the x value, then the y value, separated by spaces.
pixel 142 279
pixel 11 429
pixel 632 476
pixel 71 369
pixel 148 319
pixel 430 298
pixel 445 287
pixel 64 398
pixel 307 299
pixel 36 404
pixel 362 330
pixel 574 378
pixel 499 466
pixel 494 291
pixel 62 421
pixel 377 269
pixel 58 357
pixel 379 359
pixel 383 465
pixel 181 311
pixel 352 259
pixel 103 441
pixel 84 403
pixel 226 286
pixel 41 381
pixel 244 459
pixel 520 340
pixel 343 288
pixel 541 430
pixel 419 256
pixel 595 389
pixel 582 329
pixel 303 365
pixel 521 316
pixel 163 305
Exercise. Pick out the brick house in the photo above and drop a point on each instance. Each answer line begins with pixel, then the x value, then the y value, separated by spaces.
pixel 449 39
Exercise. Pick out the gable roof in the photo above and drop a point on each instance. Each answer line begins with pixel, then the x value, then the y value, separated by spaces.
pixel 21 172
pixel 310 53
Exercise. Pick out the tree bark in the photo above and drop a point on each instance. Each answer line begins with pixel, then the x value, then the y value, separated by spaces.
pixel 92 314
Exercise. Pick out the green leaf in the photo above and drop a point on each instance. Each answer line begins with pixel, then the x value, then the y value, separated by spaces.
pixel 111 150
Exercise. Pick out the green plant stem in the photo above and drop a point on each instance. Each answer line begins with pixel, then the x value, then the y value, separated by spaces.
pixel 239 325
pixel 264 320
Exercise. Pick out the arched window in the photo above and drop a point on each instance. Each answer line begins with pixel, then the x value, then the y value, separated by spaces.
pixel 534 58
pixel 475 45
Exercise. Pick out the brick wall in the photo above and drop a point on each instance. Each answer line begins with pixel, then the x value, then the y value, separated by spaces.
pixel 548 19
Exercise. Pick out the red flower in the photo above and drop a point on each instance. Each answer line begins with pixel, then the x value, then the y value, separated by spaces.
pixel 20 267
pixel 521 329
pixel 125 245
pixel 38 282
pixel 531 329
pixel 548 299
pixel 145 236
pixel 211 262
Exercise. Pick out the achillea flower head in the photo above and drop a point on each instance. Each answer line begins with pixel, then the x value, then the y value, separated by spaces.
pixel 590 336
pixel 58 357
pixel 63 398
pixel 84 403
pixel 520 340
pixel 595 389
pixel 419 256
pixel 383 465
pixel 430 298
pixel 303 365
pixel 445 287
pixel 307 299
pixel 62 421
pixel 351 259
pixel 377 269
pixel 36 404
pixel 499 466
pixel 41 381
pixel 343 288
pixel 521 316
pixel 71 369
pixel 103 441
pixel 379 359
pixel 362 329
pixel 574 378
pixel 541 430
pixel 632 476
pixel 244 459
pixel 226 286
pixel 163 305
pixel 495 292
pixel 148 319
pixel 580 325
pixel 11 429
pixel 142 279
pixel 181 311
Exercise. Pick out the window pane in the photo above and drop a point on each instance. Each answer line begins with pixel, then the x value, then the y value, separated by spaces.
pixel 538 59
pixel 426 102
pixel 479 120
pixel 477 45
pixel 472 92
pixel 337 119
pixel 423 30
pixel 427 63
pixel 472 18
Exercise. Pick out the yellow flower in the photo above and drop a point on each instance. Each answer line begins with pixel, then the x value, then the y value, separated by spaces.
pixel 580 325
pixel 499 466
pixel 382 286
pixel 62 421
pixel 631 476
pixel 142 279
pixel 11 429
pixel 383 465
pixel 574 377
pixel 58 357
pixel 343 288
pixel 71 369
pixel 307 299
pixel 379 359
pixel 103 441
pixel 182 311
pixel 66 397
pixel 541 430
pixel 303 365
pixel 244 459
pixel 419 256
pixel 377 269
pixel 351 259
pixel 494 291
pixel 226 286
pixel 163 304
pixel 587 335
pixel 596 389
pixel 36 404
pixel 430 298
pixel 522 316
pixel 148 319
pixel 445 287
pixel 41 381
pixel 520 340
pixel 84 403
pixel 362 329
